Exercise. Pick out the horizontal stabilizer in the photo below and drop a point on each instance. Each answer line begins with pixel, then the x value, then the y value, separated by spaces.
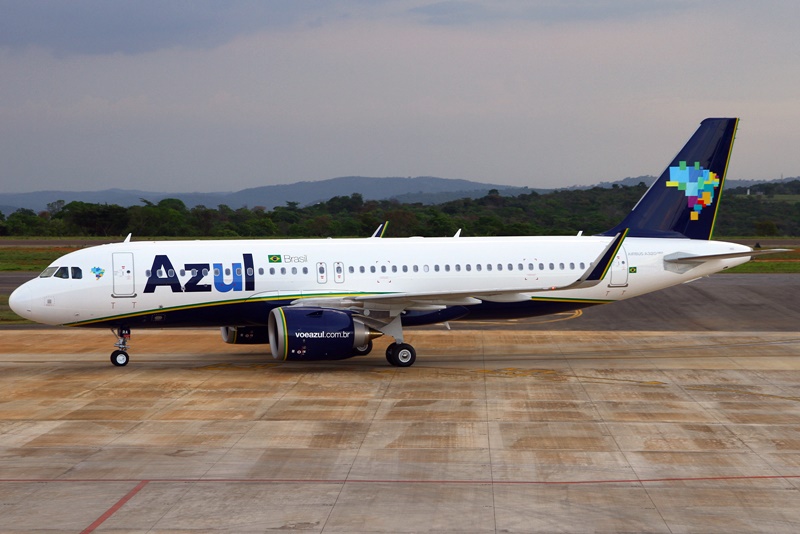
pixel 681 257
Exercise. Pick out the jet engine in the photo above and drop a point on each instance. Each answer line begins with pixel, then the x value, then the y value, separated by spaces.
pixel 317 334
pixel 245 335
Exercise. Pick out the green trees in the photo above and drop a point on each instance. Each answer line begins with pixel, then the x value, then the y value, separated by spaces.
pixel 776 212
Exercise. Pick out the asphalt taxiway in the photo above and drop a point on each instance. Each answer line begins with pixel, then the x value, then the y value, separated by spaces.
pixel 690 424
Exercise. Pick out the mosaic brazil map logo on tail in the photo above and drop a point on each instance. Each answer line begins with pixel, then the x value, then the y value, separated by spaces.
pixel 697 183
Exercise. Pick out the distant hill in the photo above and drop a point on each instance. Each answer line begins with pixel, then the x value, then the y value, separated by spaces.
pixel 422 189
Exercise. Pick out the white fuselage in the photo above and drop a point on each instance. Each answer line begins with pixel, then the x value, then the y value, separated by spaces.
pixel 204 282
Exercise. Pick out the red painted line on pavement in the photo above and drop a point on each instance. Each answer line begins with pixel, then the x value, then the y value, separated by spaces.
pixel 111 511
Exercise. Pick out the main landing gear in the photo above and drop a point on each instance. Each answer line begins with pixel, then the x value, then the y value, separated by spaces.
pixel 120 357
pixel 401 354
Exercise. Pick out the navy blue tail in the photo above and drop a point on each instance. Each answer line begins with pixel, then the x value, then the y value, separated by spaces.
pixel 683 202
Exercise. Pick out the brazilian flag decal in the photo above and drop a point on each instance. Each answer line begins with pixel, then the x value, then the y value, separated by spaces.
pixel 275 258
pixel 632 270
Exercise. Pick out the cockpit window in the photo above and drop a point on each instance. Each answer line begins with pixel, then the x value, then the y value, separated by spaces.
pixel 47 273
pixel 62 272
pixel 77 274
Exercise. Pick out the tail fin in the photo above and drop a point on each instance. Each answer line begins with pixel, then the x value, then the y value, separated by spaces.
pixel 683 202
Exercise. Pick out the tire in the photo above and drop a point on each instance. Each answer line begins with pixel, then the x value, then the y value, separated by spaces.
pixel 119 358
pixel 363 350
pixel 404 354
pixel 390 354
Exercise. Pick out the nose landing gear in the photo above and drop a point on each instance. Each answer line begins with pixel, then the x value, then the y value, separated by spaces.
pixel 120 357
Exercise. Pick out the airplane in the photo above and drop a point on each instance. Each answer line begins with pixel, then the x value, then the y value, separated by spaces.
pixel 327 299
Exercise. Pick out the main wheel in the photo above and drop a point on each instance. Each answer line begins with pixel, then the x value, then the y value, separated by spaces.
pixel 405 355
pixel 390 354
pixel 363 350
pixel 401 355
pixel 119 358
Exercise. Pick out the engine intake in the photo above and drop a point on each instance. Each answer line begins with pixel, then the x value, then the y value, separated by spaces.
pixel 316 334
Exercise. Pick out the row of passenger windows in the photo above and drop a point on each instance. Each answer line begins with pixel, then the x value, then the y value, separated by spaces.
pixel 76 273
pixel 468 267
pixel 383 269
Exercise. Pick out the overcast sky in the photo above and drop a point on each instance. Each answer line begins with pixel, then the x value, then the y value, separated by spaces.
pixel 223 95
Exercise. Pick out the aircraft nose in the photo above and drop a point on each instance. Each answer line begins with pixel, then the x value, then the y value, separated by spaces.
pixel 20 301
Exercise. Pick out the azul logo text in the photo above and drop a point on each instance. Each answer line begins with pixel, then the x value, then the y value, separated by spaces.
pixel 241 276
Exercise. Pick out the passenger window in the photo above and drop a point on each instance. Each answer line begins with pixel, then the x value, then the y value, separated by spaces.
pixel 425 268
pixel 510 267
pixel 436 267
pixel 499 266
pixel 305 270
pixel 488 266
pixel 416 268
pixel 572 266
pixel 62 272
pixel 478 267
pixel 468 267
pixel 351 269
pixel 530 266
pixel 583 265
pixel 519 267
pixel 458 267
pixel 447 268
pixel 338 269
pixel 77 274
pixel 561 266
pixel 182 272
pixel 272 270
pixel 552 267
pixel 405 268
pixel 383 268
pixel 541 266
pixel 394 268
pixel 238 271
pixel 50 271
pixel 361 269
pixel 260 271
pixel 372 268
pixel 205 272
pixel 283 270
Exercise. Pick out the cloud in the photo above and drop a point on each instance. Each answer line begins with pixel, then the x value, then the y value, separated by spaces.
pixel 458 12
pixel 351 87
pixel 134 27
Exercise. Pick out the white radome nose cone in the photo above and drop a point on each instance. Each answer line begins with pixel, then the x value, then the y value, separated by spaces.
pixel 20 301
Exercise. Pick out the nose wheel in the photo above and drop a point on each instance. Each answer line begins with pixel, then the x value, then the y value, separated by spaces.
pixel 120 356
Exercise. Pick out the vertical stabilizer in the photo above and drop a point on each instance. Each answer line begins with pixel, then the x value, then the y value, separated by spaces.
pixel 683 202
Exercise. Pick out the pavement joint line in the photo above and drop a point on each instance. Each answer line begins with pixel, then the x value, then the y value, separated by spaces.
pixel 143 483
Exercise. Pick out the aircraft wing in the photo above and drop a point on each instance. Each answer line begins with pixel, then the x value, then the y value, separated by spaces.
pixel 434 300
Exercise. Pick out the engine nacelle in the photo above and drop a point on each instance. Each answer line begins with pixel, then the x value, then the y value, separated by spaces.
pixel 245 335
pixel 316 334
